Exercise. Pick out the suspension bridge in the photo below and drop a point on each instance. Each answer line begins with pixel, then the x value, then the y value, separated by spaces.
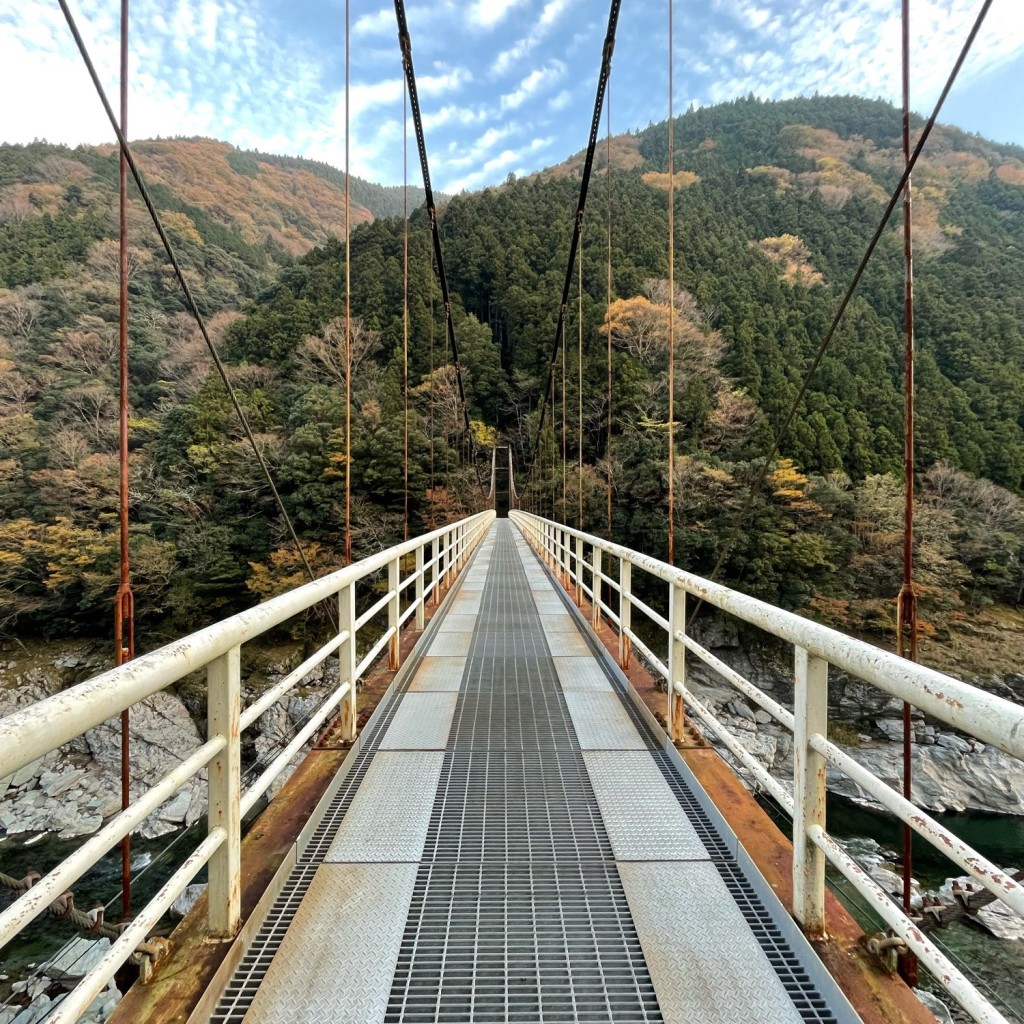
pixel 519 831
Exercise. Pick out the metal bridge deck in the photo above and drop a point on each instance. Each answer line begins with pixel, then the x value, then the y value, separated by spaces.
pixel 513 844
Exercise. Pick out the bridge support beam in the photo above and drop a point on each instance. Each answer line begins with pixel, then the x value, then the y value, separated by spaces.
pixel 675 715
pixel 810 712
pixel 347 658
pixel 224 708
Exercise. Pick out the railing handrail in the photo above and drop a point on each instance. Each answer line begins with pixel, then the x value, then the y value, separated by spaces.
pixel 815 648
pixel 56 720
pixel 32 732
pixel 991 718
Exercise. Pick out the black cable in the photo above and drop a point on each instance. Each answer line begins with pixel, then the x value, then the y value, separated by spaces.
pixel 410 76
pixel 595 124
pixel 830 334
pixel 189 300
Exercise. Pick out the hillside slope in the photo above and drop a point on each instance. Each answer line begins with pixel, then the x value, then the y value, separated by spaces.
pixel 774 207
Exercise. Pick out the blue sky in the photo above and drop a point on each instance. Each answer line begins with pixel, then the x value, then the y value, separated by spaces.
pixel 505 85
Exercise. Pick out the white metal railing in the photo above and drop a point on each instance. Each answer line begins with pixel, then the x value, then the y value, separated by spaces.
pixel 34 731
pixel 982 715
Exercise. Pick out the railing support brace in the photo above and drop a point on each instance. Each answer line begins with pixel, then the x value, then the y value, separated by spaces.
pixel 394 613
pixel 675 714
pixel 420 618
pixel 811 714
pixel 595 584
pixel 579 571
pixel 625 612
pixel 224 707
pixel 435 571
pixel 347 658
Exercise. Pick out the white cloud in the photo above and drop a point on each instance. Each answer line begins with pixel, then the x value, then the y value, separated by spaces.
pixel 534 82
pixel 379 23
pixel 488 13
pixel 549 15
pixel 561 101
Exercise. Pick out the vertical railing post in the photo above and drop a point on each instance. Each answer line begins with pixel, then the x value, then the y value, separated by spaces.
pixel 579 571
pixel 447 556
pixel 224 708
pixel 811 713
pixel 435 570
pixel 674 713
pixel 563 556
pixel 347 658
pixel 420 610
pixel 625 611
pixel 595 584
pixel 394 612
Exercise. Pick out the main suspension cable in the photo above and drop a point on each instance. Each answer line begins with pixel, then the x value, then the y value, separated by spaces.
pixel 588 165
pixel 190 301
pixel 410 76
pixel 848 296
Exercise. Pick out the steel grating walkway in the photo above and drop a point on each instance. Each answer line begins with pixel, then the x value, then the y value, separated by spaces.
pixel 512 844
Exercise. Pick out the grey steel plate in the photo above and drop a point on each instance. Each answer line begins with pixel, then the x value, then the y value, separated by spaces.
pixel 560 622
pixel 438 675
pixel 466 604
pixel 580 673
pixel 388 819
pixel 452 645
pixel 705 963
pixel 472 585
pixel 641 814
pixel 601 722
pixel 422 722
pixel 566 645
pixel 457 623
pixel 338 958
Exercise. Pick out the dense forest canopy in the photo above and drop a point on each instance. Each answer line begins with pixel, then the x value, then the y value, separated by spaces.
pixel 775 203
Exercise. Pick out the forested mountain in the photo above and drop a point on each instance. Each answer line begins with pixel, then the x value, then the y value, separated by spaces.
pixel 775 203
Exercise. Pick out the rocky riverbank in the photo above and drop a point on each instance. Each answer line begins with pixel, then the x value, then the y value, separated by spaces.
pixel 70 792
pixel 951 772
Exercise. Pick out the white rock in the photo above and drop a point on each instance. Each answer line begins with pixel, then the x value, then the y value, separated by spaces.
pixel 76 959
pixel 952 742
pixel 187 900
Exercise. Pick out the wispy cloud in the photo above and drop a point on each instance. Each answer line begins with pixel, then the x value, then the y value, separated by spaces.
pixel 493 75
pixel 488 13
pixel 549 16
pixel 535 82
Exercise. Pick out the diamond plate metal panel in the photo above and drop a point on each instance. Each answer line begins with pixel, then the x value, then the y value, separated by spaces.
pixel 580 674
pixel 422 722
pixel 438 675
pixel 642 815
pixel 567 645
pixel 466 604
pixel 453 645
pixel 454 622
pixel 388 819
pixel 560 622
pixel 338 959
pixel 601 722
pixel 705 964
